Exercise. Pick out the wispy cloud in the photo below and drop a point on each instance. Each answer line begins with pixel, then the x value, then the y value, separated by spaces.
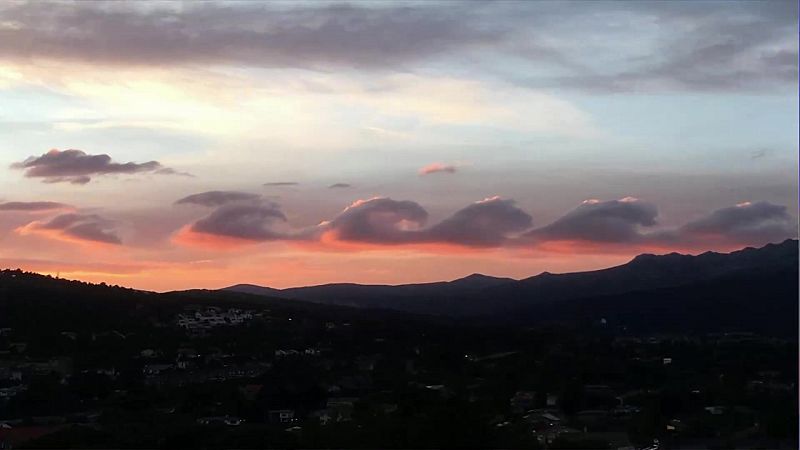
pixel 33 206
pixel 216 198
pixel 309 36
pixel 696 46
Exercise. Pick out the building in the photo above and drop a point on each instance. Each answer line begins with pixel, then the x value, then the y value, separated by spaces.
pixel 523 401
pixel 281 416
pixel 198 319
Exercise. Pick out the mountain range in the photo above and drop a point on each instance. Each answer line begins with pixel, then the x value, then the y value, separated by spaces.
pixel 648 289
pixel 753 289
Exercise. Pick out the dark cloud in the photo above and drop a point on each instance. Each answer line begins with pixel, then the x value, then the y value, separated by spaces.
pixel 255 34
pixel 609 221
pixel 688 45
pixel 437 168
pixel 746 223
pixel 252 221
pixel 282 183
pixel 339 185
pixel 77 167
pixel 239 215
pixel 486 223
pixel 379 221
pixel 493 222
pixel 32 206
pixel 217 198
pixel 85 227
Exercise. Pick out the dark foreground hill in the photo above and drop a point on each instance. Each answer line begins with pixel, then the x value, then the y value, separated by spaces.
pixel 762 302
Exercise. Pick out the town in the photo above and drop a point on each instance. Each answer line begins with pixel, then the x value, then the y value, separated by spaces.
pixel 131 369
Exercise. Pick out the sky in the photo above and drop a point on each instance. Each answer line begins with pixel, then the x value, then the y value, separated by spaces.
pixel 167 145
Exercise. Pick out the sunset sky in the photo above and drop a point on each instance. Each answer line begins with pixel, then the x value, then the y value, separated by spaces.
pixel 166 145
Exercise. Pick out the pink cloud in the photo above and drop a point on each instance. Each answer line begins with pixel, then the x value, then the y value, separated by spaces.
pixel 75 227
pixel 437 168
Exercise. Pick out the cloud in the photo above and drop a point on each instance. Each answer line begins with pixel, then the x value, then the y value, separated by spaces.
pixel 693 46
pixel 171 171
pixel 75 227
pixel 252 221
pixel 594 226
pixel 437 168
pixel 629 222
pixel 32 206
pixel 379 220
pixel 238 218
pixel 282 183
pixel 600 47
pixel 487 223
pixel 615 221
pixel 77 167
pixel 730 49
pixel 238 34
pixel 339 186
pixel 746 223
pixel 217 198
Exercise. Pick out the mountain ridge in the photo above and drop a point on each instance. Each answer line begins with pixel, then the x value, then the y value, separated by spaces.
pixel 478 294
pixel 754 290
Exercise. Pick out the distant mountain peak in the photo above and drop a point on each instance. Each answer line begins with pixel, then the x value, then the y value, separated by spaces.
pixel 479 278
pixel 667 258
pixel 253 289
pixel 245 285
pixel 475 276
pixel 478 293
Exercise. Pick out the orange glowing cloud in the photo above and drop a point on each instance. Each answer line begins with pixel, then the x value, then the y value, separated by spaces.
pixel 84 229
pixel 331 241
pixel 59 235
pixel 596 227
pixel 187 236
pixel 437 167
pixel 588 247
